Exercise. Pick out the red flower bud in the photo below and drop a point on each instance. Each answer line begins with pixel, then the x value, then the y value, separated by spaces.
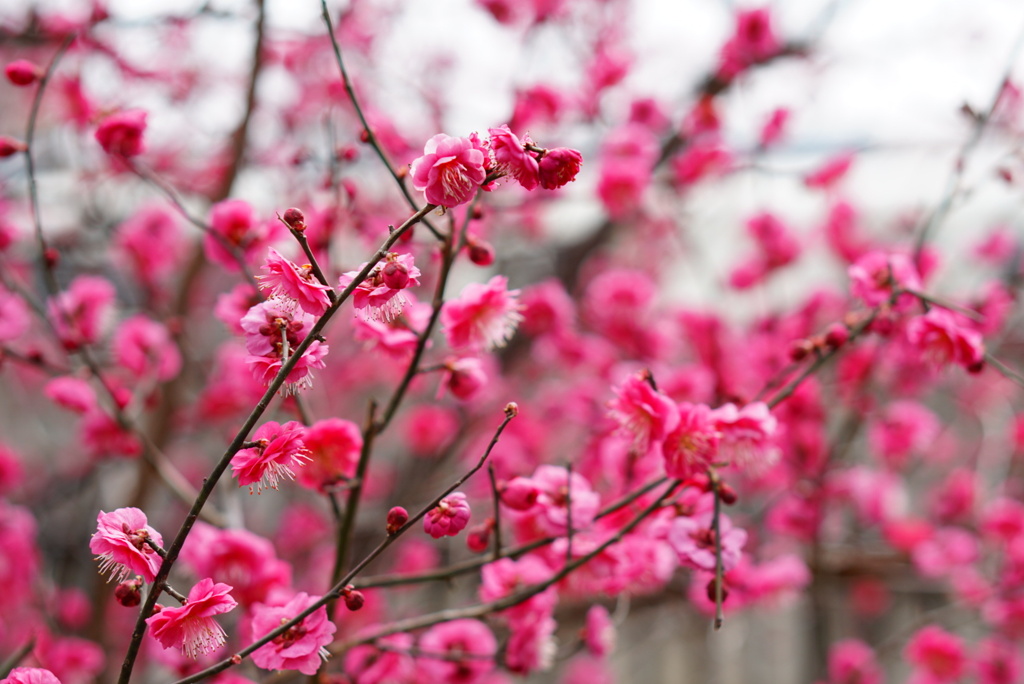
pixel 481 253
pixel 727 494
pixel 478 537
pixel 354 599
pixel 23 72
pixel 129 593
pixel 558 167
pixel 519 493
pixel 294 219
pixel 711 591
pixel 10 146
pixel 395 275
pixel 397 517
pixel 837 335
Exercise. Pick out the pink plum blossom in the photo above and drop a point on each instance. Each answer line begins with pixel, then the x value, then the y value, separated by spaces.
pixel 483 317
pixel 943 337
pixel 191 627
pixel 286 279
pixel 559 166
pixel 379 297
pixel 647 415
pixel 272 331
pixel 746 435
pixel 236 233
pixel 15 319
pixel 239 557
pixel 30 675
pixel 599 631
pixel 851 661
pixel 468 645
pixel 300 647
pixel 120 543
pixel 146 349
pixel 333 447
pixel 120 134
pixel 279 449
pixel 152 241
pixel 367 664
pixel 691 447
pixel 875 275
pixel 937 656
pixel 449 517
pixel 82 312
pixel 450 170
pixel 693 539
pixel 556 486
pixel 464 377
pixel 512 159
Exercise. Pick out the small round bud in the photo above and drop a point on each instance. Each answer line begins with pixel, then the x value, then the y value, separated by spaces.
pixel 354 599
pixel 347 153
pixel 10 147
pixel 976 367
pixel 481 253
pixel 395 275
pixel 51 256
pixel 23 72
pixel 477 212
pixel 478 537
pixel 364 136
pixel 294 219
pixel 519 493
pixel 837 335
pixel 727 494
pixel 129 593
pixel 397 517
pixel 559 166
pixel 800 350
pixel 236 659
pixel 511 409
pixel 711 591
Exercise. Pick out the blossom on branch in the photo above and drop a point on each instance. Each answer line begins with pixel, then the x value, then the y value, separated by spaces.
pixel 120 134
pixel 450 171
pixel 120 542
pixel 380 297
pixel 279 448
pixel 483 317
pixel 301 647
pixel 191 627
pixel 449 517
pixel 285 279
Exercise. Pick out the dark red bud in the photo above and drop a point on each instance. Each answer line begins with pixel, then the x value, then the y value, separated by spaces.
pixel 129 594
pixel 800 350
pixel 294 219
pixel 837 335
pixel 397 517
pixel 51 256
pixel 727 494
pixel 711 591
pixel 10 147
pixel 481 253
pixel 354 599
pixel 23 72
pixel 478 537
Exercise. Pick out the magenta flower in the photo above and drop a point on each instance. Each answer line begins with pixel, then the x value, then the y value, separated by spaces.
pixel 484 316
pixel 30 675
pixel 379 297
pixel 693 539
pixel 81 313
pixel 285 279
pixel 851 660
pixel 279 448
pixel 449 517
pixel 450 170
pixel 938 657
pixel 942 337
pixel 464 377
pixel 120 134
pixel 465 650
pixel 367 664
pixel 559 166
pixel 599 631
pixel 145 348
pixel 876 274
pixel 302 646
pixel 512 159
pixel 333 445
pixel 120 543
pixel 746 435
pixel 15 318
pixel 239 557
pixel 236 230
pixel 191 627
pixel 556 486
pixel 273 329
pixel 642 412
pixel 22 72
pixel 692 446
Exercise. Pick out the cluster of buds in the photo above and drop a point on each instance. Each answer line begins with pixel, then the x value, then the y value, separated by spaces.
pixel 834 337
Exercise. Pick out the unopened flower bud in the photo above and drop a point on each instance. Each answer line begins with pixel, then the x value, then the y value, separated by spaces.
pixel 711 591
pixel 511 409
pixel 727 494
pixel 800 350
pixel 481 253
pixel 129 593
pixel 51 256
pixel 519 493
pixel 23 72
pixel 354 599
pixel 294 219
pixel 478 537
pixel 558 167
pixel 236 659
pixel 10 147
pixel 397 517
pixel 395 275
pixel 837 335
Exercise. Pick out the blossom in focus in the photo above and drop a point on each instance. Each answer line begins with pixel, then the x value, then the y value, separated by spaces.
pixel 559 166
pixel 120 543
pixel 333 447
pixel 120 134
pixel 483 317
pixel 512 159
pixel 379 296
pixel 191 627
pixel 273 329
pixel 450 170
pixel 279 448
pixel 285 279
pixel 449 517
pixel 643 412
pixel 466 650
pixel 301 647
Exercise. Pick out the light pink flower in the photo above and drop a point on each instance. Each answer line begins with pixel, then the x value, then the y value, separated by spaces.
pixel 266 368
pixel 146 349
pixel 746 435
pixel 483 317
pixel 464 377
pixel 333 447
pixel 302 646
pixel 15 318
pixel 379 296
pixel 599 631
pixel 191 627
pixel 285 279
pixel 279 449
pixel 74 394
pixel 511 158
pixel 272 331
pixel 693 539
pixel 555 487
pixel 942 337
pixel 644 413
pixel 937 656
pixel 395 342
pixel 692 446
pixel 450 170
pixel 235 231
pixel 449 517
pixel 30 675
pixel 120 134
pixel 120 543
pixel 467 646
